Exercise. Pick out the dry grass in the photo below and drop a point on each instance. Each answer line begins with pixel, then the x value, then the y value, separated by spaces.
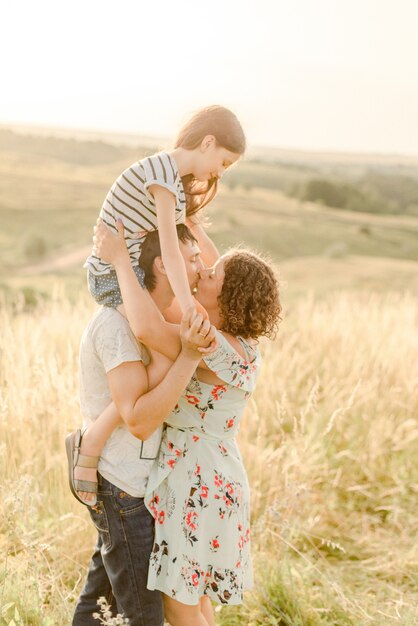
pixel 329 440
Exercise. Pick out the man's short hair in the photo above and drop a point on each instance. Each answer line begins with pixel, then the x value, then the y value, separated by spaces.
pixel 151 249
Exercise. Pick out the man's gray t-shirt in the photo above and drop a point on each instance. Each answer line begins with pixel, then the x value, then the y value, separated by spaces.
pixel 107 342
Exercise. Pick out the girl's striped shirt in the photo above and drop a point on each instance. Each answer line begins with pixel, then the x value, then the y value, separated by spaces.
pixel 129 200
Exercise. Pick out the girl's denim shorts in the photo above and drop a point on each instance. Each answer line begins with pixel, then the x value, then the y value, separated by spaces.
pixel 105 288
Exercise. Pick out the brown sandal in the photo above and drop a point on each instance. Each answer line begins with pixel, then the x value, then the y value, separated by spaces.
pixel 76 459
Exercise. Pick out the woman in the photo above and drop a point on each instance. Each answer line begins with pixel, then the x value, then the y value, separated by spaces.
pixel 198 490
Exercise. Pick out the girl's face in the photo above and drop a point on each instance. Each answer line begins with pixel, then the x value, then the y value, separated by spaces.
pixel 212 160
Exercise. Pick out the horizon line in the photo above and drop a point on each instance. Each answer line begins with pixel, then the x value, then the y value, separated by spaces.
pixel 157 139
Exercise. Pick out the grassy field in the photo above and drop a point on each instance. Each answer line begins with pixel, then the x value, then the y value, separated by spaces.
pixel 329 441
pixel 329 438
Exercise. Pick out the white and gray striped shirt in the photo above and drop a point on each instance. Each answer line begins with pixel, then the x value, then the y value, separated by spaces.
pixel 129 200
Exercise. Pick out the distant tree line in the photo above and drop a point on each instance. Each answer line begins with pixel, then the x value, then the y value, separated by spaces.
pixel 374 192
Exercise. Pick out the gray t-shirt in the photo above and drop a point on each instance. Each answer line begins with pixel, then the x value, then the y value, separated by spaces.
pixel 107 342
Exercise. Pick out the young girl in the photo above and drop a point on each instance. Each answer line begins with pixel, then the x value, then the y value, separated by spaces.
pixel 160 192
pixel 166 189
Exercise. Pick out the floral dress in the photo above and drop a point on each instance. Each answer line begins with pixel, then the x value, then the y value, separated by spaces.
pixel 198 489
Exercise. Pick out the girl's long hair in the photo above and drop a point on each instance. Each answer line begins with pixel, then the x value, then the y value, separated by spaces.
pixel 224 126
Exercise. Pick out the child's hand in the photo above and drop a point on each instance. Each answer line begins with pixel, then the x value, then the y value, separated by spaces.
pixel 214 343
pixel 108 246
pixel 195 333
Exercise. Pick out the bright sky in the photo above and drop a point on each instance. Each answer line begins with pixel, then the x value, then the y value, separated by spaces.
pixel 311 74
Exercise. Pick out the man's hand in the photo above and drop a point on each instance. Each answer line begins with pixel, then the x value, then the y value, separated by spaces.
pixel 109 247
pixel 195 333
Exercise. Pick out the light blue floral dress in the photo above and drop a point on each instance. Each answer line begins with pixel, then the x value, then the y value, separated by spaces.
pixel 198 489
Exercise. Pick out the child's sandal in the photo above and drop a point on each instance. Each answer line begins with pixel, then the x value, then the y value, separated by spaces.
pixel 76 459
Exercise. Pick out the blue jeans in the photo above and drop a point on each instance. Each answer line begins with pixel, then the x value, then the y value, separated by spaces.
pixel 119 566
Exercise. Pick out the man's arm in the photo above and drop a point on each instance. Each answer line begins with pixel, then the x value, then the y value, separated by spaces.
pixel 144 411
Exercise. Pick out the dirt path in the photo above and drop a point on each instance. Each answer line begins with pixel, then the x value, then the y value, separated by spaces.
pixel 62 261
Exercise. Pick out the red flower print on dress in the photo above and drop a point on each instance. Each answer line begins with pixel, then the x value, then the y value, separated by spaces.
pixel 192 399
pixel 191 517
pixel 214 544
pixel 229 423
pixel 161 517
pixel 152 506
pixel 204 491
pixel 217 391
pixel 229 494
pixel 222 449
pixel 195 438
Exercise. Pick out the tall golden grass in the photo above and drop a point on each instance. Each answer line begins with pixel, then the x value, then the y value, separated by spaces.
pixel 330 444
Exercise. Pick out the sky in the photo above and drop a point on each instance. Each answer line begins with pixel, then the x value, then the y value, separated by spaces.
pixel 338 75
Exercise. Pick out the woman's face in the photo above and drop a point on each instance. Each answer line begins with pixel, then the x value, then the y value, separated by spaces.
pixel 210 284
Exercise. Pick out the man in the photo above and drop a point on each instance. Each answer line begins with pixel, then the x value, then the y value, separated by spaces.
pixel 112 366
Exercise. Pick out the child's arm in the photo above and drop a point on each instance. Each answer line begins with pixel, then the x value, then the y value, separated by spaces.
pixel 170 251
pixel 209 252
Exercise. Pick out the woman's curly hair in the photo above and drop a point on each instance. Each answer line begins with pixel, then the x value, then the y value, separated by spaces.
pixel 249 302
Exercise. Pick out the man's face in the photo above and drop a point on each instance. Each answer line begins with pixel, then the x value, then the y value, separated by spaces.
pixel 191 254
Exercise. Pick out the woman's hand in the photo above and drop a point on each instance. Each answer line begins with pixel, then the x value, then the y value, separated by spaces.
pixel 107 246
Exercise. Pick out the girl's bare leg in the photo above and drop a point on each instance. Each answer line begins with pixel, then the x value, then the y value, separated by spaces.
pixel 93 442
pixel 96 435
pixel 179 614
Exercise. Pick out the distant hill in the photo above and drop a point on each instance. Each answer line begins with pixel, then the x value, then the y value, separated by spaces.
pixel 52 185
pixel 366 183
pixel 268 154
